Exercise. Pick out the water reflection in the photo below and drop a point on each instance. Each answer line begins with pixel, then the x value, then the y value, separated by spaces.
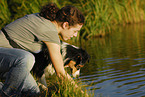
pixel 117 65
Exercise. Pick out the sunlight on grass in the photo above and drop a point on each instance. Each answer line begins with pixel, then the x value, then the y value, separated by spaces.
pixel 63 88
pixel 100 15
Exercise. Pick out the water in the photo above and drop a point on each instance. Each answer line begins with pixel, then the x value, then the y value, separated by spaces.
pixel 117 64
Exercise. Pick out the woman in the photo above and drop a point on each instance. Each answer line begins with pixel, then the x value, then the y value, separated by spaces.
pixel 26 35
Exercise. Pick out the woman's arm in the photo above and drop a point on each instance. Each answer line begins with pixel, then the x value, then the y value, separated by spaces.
pixel 57 61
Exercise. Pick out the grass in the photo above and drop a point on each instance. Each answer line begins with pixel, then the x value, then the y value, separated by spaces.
pixel 5 13
pixel 100 15
pixel 63 88
pixel 97 18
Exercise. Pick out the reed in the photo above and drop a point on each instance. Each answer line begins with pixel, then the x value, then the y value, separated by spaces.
pixel 127 12
pixel 19 8
pixel 100 15
pixel 5 13
pixel 97 17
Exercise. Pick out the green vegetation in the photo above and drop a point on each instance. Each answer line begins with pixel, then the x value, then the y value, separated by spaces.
pixel 5 13
pixel 63 88
pixel 100 15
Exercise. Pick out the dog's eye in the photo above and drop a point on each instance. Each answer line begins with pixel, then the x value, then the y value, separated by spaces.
pixel 88 61
pixel 78 67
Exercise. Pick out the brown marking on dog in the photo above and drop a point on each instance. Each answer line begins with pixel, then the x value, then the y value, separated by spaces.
pixel 71 64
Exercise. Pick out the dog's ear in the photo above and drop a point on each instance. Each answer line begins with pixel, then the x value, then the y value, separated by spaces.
pixel 85 56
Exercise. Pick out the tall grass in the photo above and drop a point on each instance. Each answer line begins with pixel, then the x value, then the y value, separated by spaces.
pixel 97 17
pixel 63 88
pixel 58 87
pixel 19 8
pixel 127 11
pixel 4 13
pixel 100 15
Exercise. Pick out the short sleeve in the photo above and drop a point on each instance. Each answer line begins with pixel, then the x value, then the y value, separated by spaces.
pixel 50 36
pixel 46 31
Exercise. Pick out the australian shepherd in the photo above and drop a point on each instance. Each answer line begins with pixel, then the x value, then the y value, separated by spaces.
pixel 73 57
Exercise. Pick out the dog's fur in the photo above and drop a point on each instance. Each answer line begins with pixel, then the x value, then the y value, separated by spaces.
pixel 74 57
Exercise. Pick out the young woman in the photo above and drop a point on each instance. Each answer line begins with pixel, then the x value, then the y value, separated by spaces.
pixel 26 35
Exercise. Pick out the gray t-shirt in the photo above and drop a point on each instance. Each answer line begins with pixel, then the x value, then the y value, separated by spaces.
pixel 29 32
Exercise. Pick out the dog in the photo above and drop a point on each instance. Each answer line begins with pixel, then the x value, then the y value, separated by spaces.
pixel 73 57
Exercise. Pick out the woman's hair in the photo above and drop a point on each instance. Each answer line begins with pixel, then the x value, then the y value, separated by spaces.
pixel 68 14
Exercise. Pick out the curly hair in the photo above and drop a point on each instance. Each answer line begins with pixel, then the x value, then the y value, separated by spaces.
pixel 49 11
pixel 68 14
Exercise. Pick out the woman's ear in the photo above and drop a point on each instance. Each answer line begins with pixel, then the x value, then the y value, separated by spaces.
pixel 65 25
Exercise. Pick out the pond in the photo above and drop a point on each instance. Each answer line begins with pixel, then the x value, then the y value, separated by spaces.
pixel 117 64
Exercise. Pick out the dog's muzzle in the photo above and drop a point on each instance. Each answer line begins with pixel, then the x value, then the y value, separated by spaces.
pixel 76 74
pixel 75 68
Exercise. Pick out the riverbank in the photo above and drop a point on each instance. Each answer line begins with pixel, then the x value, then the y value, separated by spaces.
pixel 63 88
pixel 100 14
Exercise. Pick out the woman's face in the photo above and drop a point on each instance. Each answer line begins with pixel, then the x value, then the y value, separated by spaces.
pixel 69 31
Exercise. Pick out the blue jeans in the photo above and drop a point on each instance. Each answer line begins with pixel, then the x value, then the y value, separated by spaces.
pixel 15 67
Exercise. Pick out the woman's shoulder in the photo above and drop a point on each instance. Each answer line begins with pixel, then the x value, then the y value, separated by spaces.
pixel 37 18
pixel 32 16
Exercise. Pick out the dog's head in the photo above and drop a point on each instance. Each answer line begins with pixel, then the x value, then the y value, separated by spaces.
pixel 74 57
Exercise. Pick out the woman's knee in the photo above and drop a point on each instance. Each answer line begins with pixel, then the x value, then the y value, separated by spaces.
pixel 26 59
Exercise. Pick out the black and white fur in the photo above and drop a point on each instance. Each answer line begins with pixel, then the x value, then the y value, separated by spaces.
pixel 70 53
